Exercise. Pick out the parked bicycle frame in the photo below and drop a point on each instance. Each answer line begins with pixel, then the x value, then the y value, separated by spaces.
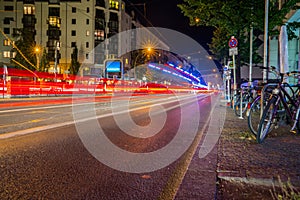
pixel 255 108
pixel 263 91
pixel 272 114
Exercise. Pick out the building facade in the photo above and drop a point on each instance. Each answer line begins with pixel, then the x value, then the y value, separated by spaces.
pixel 58 26
pixel 293 49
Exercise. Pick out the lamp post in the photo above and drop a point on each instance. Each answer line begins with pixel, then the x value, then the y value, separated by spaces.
pixel 37 51
pixel 266 41
pixel 4 78
pixel 148 52
pixel 56 59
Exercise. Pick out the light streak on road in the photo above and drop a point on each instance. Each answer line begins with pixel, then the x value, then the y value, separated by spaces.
pixel 138 104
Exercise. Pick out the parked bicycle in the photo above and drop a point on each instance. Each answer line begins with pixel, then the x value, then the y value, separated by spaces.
pixel 255 108
pixel 247 95
pixel 282 106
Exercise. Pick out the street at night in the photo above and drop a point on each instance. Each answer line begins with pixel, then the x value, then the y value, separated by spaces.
pixel 149 100
pixel 53 163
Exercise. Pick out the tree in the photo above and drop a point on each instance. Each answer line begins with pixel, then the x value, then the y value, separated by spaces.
pixel 75 65
pixel 44 61
pixel 25 49
pixel 234 18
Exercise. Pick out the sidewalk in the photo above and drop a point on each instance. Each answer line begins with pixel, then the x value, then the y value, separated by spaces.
pixel 248 170
pixel 240 168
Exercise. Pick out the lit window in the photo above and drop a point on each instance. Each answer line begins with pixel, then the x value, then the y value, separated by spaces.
pixel 29 10
pixel 54 21
pixel 6 42
pixel 6 54
pixel 99 34
pixel 114 4
pixel 87 33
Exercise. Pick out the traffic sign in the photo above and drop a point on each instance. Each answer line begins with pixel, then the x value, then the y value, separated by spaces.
pixel 230 65
pixel 232 42
pixel 233 51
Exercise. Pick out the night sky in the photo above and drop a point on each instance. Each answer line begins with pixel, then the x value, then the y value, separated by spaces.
pixel 166 14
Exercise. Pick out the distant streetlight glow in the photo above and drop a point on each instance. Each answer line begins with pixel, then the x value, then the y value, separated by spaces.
pixel 37 51
pixel 146 53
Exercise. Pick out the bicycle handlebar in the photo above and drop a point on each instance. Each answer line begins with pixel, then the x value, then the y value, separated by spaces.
pixel 295 72
pixel 270 68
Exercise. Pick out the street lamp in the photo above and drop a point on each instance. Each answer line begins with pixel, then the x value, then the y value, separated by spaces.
pixel 148 52
pixel 37 51
pixel 57 48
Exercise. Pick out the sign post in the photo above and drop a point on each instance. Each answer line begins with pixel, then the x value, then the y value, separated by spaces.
pixel 4 78
pixel 232 43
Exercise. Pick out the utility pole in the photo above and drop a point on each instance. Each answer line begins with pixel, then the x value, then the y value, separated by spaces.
pixel 106 42
pixel 251 55
pixel 266 41
pixel 56 59
pixel 4 78
pixel 37 54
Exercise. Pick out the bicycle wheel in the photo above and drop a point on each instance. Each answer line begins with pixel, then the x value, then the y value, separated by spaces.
pixel 246 99
pixel 253 115
pixel 267 120
pixel 234 100
pixel 237 105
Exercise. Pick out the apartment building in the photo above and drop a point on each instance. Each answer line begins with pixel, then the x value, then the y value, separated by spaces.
pixel 58 26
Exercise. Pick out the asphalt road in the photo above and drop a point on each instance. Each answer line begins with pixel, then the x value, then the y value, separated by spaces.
pixel 49 159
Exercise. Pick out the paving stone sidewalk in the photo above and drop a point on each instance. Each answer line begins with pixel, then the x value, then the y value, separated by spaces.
pixel 240 168
pixel 248 170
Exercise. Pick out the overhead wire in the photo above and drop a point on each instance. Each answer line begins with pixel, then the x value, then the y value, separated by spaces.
pixel 146 19
pixel 15 47
pixel 25 67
